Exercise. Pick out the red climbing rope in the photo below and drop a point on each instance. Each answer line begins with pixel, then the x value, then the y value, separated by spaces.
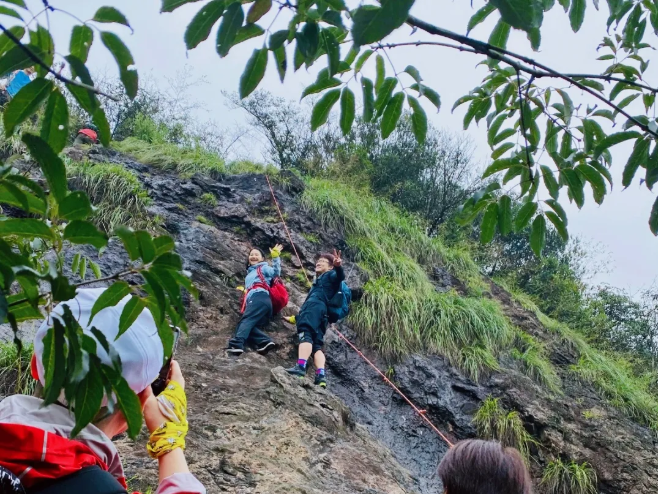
pixel 421 413
pixel 286 227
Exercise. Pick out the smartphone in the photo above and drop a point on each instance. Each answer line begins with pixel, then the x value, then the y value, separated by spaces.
pixel 159 384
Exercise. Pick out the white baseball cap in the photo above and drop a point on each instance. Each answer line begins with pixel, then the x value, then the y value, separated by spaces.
pixel 140 347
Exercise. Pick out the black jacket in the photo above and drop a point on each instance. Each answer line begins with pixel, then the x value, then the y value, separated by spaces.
pixel 326 285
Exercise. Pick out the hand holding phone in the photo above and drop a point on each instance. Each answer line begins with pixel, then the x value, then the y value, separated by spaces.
pixel 159 384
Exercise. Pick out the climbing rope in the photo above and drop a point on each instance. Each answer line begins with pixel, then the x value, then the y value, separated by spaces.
pixel 421 413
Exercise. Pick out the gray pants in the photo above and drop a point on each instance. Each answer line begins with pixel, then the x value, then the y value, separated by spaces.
pixel 256 315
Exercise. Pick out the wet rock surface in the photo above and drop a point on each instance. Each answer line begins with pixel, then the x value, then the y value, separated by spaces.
pixel 253 429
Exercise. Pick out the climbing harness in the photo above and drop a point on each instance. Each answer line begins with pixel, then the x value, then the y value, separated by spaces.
pixel 421 413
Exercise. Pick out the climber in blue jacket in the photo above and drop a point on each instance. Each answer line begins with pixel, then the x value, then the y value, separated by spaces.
pixel 312 319
pixel 257 305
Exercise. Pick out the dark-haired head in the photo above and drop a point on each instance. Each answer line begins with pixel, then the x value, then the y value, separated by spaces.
pixel 255 256
pixel 484 467
pixel 324 263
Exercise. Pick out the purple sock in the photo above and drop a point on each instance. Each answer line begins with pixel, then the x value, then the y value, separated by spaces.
pixel 301 362
pixel 319 372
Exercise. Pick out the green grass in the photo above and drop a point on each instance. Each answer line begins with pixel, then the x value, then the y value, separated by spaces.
pixel 204 220
pixel 494 422
pixel 208 199
pixel 532 356
pixel 114 190
pixel 611 375
pixel 15 376
pixel 186 161
pixel 401 312
pixel 244 166
pixel 569 478
pixel 311 237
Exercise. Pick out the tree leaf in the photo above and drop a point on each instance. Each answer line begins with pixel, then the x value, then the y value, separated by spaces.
pixel 614 139
pixel 75 263
pixel 84 232
pixel 380 68
pixel 320 86
pixel 308 40
pixel 550 182
pixel 82 38
pixel 501 150
pixel 603 171
pixel 14 196
pixel 163 244
pixel 110 15
pixel 146 245
pixel 384 94
pixel 413 72
pixel 95 269
pixel 114 294
pixel 83 268
pixel 577 14
pixel 25 227
pixel 26 103
pixel 129 240
pixel 418 120
pixel 16 58
pixel 55 126
pixel 253 72
pixel 500 165
pixel 124 60
pixel 281 62
pixel 42 38
pixel 323 107
pixel 100 121
pixel 480 16
pixel 538 235
pixel 559 225
pixel 392 114
pixel 169 260
pixel 521 14
pixel 429 93
pixel 575 185
pixel 248 32
pixel 500 35
pixel 277 39
pixel 171 5
pixel 488 227
pixel 258 10
pixel 130 313
pixel 127 401
pixel 524 215
pixel 334 18
pixel 347 110
pixel 368 99
pixel 595 179
pixel 54 362
pixel 372 24
pixel 88 399
pixel 51 165
pixel 331 46
pixel 639 157
pixel 505 215
pixel 558 209
pixel 653 218
pixel 495 127
pixel 10 12
pixel 229 27
pixel 75 206
pixel 201 24
pixel 362 60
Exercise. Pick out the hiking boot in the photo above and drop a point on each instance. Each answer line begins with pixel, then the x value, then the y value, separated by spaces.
pixel 321 380
pixel 234 352
pixel 298 371
pixel 265 349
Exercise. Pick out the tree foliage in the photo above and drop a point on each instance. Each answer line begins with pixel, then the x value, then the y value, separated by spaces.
pixel 38 223
pixel 547 129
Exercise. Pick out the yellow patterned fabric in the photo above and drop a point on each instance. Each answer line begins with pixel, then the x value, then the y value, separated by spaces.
pixel 171 434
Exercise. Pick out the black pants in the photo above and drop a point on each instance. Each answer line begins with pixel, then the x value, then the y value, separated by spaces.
pixel 257 314
pixel 312 323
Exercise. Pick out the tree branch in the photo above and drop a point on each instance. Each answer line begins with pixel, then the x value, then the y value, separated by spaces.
pixel 43 64
pixel 514 58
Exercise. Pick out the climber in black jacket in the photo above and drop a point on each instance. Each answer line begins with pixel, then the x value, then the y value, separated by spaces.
pixel 312 319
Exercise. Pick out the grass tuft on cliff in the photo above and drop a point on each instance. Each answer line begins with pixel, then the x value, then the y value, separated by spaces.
pixel 114 190
pixel 186 161
pixel 15 376
pixel 494 422
pixel 532 356
pixel 572 478
pixel 610 374
pixel 401 312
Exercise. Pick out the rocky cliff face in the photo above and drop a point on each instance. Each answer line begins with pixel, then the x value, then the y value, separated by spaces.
pixel 255 430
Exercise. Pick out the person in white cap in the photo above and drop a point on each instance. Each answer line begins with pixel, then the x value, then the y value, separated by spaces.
pixel 35 439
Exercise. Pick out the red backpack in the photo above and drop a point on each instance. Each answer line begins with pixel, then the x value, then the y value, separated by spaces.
pixel 277 291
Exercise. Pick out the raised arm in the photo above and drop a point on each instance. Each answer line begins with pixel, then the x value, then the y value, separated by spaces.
pixel 275 268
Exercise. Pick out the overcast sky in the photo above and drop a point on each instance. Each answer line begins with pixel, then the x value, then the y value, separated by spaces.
pixel 620 224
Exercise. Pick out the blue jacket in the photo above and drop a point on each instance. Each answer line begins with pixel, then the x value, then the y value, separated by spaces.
pixel 326 285
pixel 269 273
